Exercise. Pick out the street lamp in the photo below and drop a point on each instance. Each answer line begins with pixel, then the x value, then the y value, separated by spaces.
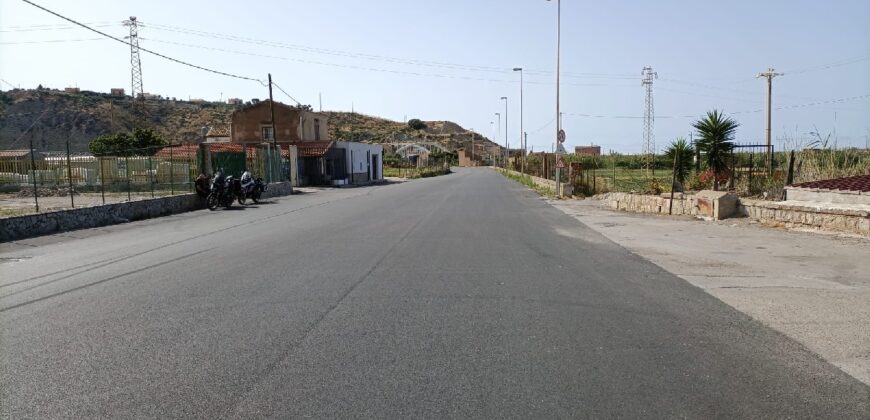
pixel 558 114
pixel 507 149
pixel 522 142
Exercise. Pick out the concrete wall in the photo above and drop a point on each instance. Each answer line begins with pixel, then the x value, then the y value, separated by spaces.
pixel 808 216
pixel 292 124
pixel 20 227
pixel 827 196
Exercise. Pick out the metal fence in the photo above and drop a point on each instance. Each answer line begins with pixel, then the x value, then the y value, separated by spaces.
pixel 34 180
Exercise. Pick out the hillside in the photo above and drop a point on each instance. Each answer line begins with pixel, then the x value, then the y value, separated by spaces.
pixel 58 116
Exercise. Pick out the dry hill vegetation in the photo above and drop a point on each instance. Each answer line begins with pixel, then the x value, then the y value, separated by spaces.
pixel 58 116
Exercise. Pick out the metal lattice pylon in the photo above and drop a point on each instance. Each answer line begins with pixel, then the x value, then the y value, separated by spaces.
pixel 649 142
pixel 137 93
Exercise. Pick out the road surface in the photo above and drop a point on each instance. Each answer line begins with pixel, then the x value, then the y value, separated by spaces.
pixel 458 296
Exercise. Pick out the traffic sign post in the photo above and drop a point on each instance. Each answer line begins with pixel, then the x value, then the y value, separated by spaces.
pixel 560 150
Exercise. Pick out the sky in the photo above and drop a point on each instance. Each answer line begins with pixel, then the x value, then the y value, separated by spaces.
pixel 453 60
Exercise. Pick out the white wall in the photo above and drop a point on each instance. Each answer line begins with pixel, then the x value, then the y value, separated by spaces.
pixel 360 162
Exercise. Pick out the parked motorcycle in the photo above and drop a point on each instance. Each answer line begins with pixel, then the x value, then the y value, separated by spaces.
pixel 221 193
pixel 249 188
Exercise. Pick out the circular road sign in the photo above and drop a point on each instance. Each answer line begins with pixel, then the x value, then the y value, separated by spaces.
pixel 561 136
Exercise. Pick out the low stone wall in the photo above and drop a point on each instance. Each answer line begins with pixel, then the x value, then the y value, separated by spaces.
pixel 713 204
pixel 31 225
pixel 809 215
pixel 846 218
pixel 545 183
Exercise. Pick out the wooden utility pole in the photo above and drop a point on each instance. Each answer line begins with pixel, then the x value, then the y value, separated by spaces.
pixel 272 115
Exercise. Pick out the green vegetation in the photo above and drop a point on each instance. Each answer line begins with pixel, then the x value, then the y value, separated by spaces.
pixel 716 133
pixel 681 153
pixel 143 142
pixel 529 182
pixel 416 124
pixel 411 173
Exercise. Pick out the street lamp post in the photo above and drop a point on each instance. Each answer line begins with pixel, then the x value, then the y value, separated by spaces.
pixel 499 134
pixel 522 142
pixel 558 114
pixel 507 150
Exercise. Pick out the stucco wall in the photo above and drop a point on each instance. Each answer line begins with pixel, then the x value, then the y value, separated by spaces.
pixel 359 163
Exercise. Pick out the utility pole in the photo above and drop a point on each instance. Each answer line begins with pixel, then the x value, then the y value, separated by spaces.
pixel 320 102
pixel 769 75
pixel 138 94
pixel 472 147
pixel 272 116
pixel 558 113
pixel 523 146
pixel 507 149
pixel 649 142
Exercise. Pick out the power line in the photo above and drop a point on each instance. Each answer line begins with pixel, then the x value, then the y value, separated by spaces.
pixel 143 49
pixel 285 92
pixel 375 57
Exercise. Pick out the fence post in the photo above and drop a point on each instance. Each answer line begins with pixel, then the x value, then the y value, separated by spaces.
pixel 72 201
pixel 614 172
pixel 102 180
pixel 673 184
pixel 751 163
pixel 171 173
pixel 127 172
pixel 33 174
pixel 151 175
pixel 790 175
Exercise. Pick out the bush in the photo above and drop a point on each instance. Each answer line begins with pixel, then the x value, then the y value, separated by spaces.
pixel 416 124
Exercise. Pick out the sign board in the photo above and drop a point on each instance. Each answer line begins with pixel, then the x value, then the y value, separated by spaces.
pixel 561 136
pixel 560 163
pixel 560 150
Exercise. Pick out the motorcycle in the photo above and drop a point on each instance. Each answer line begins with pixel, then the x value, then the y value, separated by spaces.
pixel 249 188
pixel 221 193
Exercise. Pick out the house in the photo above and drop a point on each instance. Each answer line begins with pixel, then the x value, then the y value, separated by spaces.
pixel 72 90
pixel 253 124
pixel 117 91
pixel 234 101
pixel 590 150
pixel 218 134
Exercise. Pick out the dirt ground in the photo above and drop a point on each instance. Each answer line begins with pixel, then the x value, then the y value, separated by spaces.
pixel 11 204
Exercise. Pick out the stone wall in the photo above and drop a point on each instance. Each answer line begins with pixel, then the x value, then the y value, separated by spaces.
pixel 714 204
pixel 567 189
pixel 28 226
pixel 808 215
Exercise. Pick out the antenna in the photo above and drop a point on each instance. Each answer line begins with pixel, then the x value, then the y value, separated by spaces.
pixel 649 142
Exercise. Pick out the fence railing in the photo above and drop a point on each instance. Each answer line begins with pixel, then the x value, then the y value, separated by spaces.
pixel 33 180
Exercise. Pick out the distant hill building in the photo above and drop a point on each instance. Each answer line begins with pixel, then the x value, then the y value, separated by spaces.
pixel 234 101
pixel 72 90
pixel 587 150
pixel 117 92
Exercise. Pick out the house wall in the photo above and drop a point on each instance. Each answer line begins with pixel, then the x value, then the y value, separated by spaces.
pixel 292 124
pixel 247 123
pixel 365 162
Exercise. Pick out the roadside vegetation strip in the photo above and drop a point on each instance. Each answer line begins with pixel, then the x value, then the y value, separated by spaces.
pixel 529 182
pixel 412 173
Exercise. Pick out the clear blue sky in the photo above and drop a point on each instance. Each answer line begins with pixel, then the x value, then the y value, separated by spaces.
pixel 372 53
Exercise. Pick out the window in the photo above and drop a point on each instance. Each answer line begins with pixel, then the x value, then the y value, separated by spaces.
pixel 268 133
pixel 316 129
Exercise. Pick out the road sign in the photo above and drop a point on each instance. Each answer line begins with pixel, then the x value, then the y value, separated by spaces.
pixel 560 150
pixel 561 136
pixel 560 163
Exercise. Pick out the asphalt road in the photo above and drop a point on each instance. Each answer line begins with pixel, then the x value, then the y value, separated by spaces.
pixel 458 296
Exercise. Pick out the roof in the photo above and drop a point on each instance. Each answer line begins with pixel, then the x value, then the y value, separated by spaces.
pixel 14 153
pixel 849 183
pixel 218 131
pixel 313 148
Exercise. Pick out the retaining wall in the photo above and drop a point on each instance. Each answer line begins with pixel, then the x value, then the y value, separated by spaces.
pixel 28 226
pixel 567 189
pixel 713 204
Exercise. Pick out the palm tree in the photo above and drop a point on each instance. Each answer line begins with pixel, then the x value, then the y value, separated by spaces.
pixel 681 153
pixel 715 133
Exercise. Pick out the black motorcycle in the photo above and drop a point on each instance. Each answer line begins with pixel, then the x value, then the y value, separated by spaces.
pixel 221 193
pixel 253 190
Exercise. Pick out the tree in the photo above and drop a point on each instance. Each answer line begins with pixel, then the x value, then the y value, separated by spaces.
pixel 416 124
pixel 715 135
pixel 682 153
pixel 143 142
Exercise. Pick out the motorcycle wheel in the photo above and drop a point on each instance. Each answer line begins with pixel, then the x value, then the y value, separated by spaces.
pixel 211 201
pixel 255 197
pixel 229 203
pixel 241 200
